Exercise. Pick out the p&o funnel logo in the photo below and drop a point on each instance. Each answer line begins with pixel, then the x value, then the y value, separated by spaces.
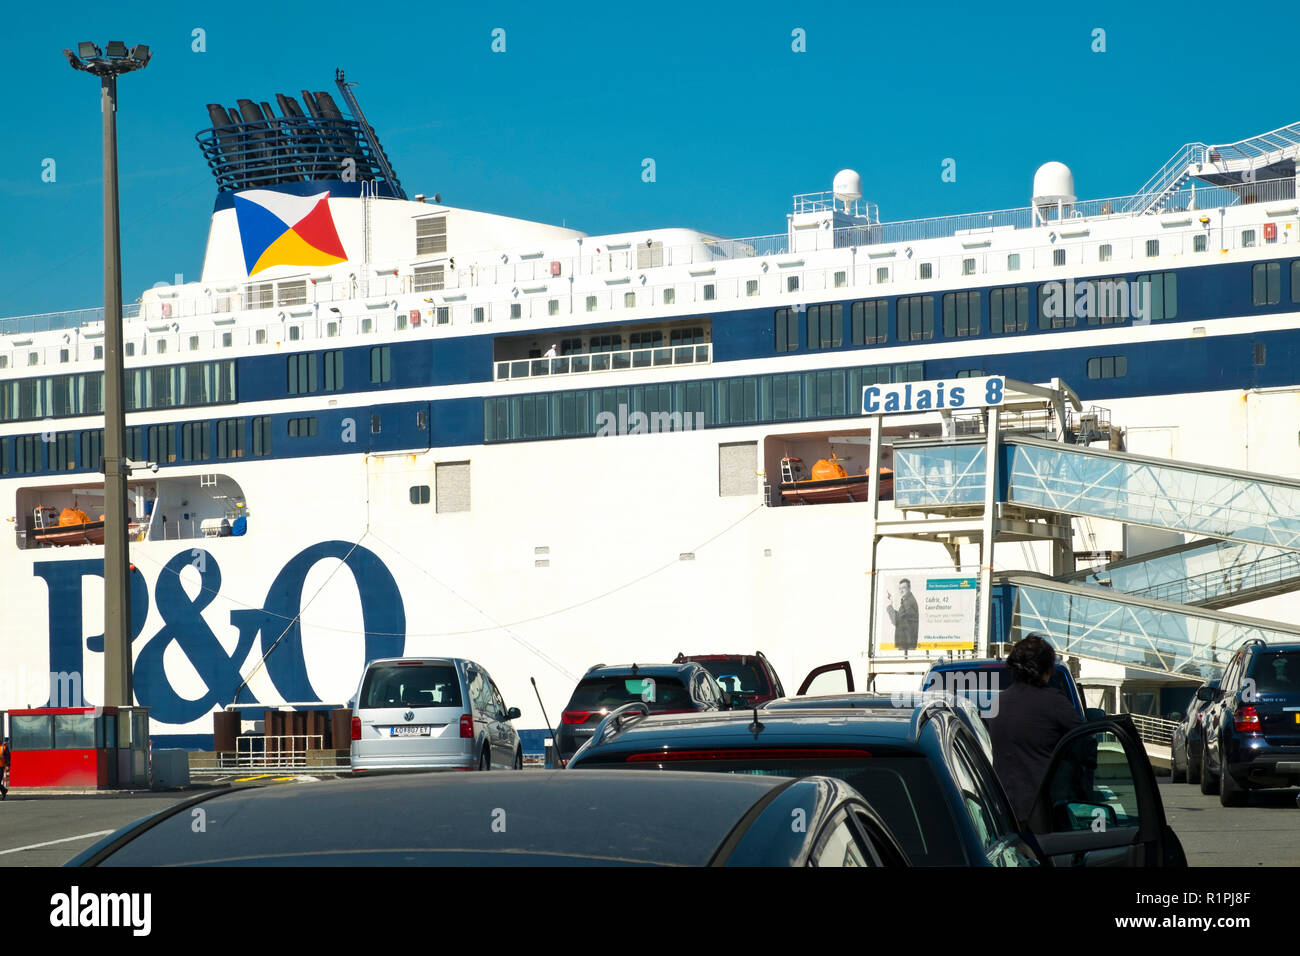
pixel 277 229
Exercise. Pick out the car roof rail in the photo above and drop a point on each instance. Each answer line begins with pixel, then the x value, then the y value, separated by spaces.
pixel 612 721
pixel 924 712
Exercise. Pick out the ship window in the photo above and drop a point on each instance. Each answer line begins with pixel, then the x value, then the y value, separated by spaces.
pixel 629 300
pixel 376 426
pixel 452 485
pixel 331 329
pixel 649 255
pixel 479 314
pixel 552 306
pixel 261 296
pixel 1009 309
pixel 645 340
pixel 1058 257
pixel 133 448
pixel 1013 262
pixel 291 293
pixel 1260 353
pixel 130 348
pixel 1247 238
pixel 606 343
pixel 591 303
pixel 1200 242
pixel 925 270
pixel 691 336
pixel 63 452
pixel 63 355
pixel 791 284
pixel 670 296
pixel 841 279
pixel 430 235
pixel 230 438
pixel 302 427
pixel 419 494
pixel 259 337
pixel 227 340
pixel 1157 296
pixel 301 373
pixel 516 310
pixel 443 313
pixel 970 373
pixel 870 322
pixel 1103 252
pixel 92 449
pixel 961 314
pixel 1054 311
pixel 367 325
pixel 968 267
pixel 1153 248
pixel 422 420
pixel 428 279
pixel 261 428
pixel 571 346
pixel 751 287
pixel 825 326
pixel 381 367
pixel 915 317
pixel 1295 280
pixel 787 330
pixel 1266 283
pixel 97 354
pixel 194 441
pixel 882 274
pixel 1108 366
pixel 711 290
pixel 1106 301
pixel 161 346
pixel 333 362
pixel 27 454
pixel 401 321
pixel 295 333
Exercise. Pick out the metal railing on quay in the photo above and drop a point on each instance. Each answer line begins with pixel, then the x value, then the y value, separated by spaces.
pixel 271 752
pixel 1154 730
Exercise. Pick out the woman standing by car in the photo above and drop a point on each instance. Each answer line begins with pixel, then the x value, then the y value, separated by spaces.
pixel 1031 718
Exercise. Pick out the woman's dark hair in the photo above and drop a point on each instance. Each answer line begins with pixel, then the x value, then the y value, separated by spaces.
pixel 1032 660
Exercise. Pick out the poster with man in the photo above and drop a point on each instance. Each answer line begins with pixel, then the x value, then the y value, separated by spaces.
pixel 924 611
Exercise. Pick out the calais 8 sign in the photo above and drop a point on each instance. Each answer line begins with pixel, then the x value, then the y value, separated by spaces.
pixel 933 396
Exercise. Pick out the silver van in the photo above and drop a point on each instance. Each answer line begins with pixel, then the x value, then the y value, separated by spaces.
pixel 431 713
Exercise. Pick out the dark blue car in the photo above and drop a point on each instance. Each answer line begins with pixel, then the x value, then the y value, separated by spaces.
pixel 982 680
pixel 1252 726
pixel 926 775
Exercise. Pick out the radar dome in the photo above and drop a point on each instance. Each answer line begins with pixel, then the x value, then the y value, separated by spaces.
pixel 847 185
pixel 1053 182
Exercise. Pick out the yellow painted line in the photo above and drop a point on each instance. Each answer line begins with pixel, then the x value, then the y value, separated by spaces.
pixel 261 776
pixel 281 779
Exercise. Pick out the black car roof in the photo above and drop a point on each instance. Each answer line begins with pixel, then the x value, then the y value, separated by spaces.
pixel 642 670
pixel 623 817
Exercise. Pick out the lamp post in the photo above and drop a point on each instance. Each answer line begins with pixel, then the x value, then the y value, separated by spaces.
pixel 108 65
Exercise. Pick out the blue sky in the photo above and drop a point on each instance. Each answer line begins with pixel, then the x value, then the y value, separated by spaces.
pixel 555 129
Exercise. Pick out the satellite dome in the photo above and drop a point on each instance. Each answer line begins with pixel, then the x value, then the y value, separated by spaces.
pixel 847 186
pixel 1053 183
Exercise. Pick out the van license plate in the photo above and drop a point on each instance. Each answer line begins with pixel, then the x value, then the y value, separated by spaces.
pixel 415 730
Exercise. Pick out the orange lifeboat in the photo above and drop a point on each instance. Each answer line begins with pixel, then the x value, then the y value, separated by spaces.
pixel 826 470
pixel 73 516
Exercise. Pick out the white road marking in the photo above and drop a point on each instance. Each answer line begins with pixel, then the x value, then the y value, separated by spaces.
pixel 37 846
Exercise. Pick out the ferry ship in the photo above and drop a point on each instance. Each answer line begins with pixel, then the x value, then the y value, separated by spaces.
pixel 380 425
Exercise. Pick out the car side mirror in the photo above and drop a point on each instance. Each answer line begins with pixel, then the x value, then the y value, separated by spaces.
pixel 1094 713
pixel 1208 694
pixel 512 713
pixel 1071 816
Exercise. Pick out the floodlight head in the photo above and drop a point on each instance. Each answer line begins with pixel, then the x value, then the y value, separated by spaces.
pixel 73 60
pixel 141 54
pixel 116 48
pixel 87 50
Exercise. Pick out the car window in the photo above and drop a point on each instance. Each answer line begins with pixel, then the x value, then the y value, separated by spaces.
pixel 975 801
pixel 737 678
pixel 607 693
pixel 410 685
pixel 838 845
pixel 1003 817
pixel 1276 672
pixel 498 705
pixel 1092 785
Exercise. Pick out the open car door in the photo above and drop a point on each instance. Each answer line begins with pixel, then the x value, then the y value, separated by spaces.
pixel 1099 804
pixel 832 684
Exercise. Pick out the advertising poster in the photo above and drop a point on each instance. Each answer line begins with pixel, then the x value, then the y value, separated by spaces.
pixel 924 612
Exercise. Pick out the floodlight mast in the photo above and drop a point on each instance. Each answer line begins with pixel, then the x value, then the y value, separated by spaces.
pixel 108 66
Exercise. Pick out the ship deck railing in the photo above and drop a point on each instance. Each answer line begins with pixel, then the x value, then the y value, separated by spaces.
pixel 657 357
pixel 294 309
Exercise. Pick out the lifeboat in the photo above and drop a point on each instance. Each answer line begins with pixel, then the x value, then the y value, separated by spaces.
pixel 829 482
pixel 74 527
